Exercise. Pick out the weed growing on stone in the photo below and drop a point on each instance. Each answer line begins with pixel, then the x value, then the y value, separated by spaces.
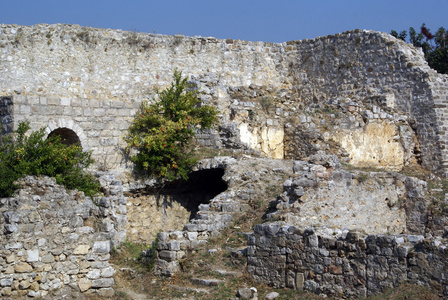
pixel 22 155
pixel 362 177
pixel 266 103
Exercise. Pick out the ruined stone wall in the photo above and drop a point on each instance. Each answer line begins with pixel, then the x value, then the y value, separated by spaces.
pixel 344 264
pixel 6 115
pixel 51 237
pixel 376 69
pixel 259 87
pixel 322 194
pixel 99 124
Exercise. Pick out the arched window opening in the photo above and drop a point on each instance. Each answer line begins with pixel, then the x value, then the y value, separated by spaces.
pixel 68 136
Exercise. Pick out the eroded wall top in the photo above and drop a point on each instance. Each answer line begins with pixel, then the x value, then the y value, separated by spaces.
pixel 80 62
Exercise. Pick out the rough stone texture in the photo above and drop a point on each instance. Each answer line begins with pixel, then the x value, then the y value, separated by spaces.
pixel 155 206
pixel 365 96
pixel 147 215
pixel 348 265
pixel 321 194
pixel 83 79
pixel 246 179
pixel 53 238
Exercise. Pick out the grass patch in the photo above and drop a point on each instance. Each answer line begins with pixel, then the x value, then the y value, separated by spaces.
pixel 350 167
pixel 204 152
pixel 129 254
pixel 407 291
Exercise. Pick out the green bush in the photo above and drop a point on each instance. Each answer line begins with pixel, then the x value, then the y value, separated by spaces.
pixel 162 131
pixel 22 155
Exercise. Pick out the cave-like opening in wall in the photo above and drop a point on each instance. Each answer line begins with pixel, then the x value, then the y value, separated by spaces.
pixel 200 188
pixel 68 136
pixel 170 205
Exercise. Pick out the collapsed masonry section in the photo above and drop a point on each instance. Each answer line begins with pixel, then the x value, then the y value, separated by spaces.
pixel 152 209
pixel 212 217
pixel 51 238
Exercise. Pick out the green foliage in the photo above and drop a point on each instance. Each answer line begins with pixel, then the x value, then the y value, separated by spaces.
pixel 266 103
pixel 22 155
pixel 434 46
pixel 162 131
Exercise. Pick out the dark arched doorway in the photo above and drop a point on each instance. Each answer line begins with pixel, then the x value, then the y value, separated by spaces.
pixel 68 136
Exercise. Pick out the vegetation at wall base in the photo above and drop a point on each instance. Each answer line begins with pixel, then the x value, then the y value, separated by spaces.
pixel 434 46
pixel 22 155
pixel 163 130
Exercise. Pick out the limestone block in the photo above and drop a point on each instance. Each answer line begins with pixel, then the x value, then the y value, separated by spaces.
pixel 272 296
pixel 14 245
pixel 6 291
pixel 23 268
pixel 32 255
pixel 81 249
pixel 192 236
pixel 11 258
pixel 84 284
pixel 375 145
pixel 103 283
pixel 65 101
pixel 101 247
pixel 107 272
pixel 168 255
pixel 48 258
pixel 6 282
pixel 53 101
pixel 94 274
pixel 24 284
pixel 35 286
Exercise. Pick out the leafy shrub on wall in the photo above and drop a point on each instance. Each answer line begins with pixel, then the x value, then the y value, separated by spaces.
pixel 163 130
pixel 22 155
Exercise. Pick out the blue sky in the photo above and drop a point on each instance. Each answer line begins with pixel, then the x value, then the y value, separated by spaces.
pixel 261 20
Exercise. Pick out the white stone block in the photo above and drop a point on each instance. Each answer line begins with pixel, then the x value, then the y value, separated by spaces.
pixel 32 255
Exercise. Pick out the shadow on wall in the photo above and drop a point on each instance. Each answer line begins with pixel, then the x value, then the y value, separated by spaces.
pixel 170 206
pixel 200 188
pixel 68 136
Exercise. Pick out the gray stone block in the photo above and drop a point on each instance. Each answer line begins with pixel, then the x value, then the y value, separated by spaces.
pixel 101 247
pixel 103 283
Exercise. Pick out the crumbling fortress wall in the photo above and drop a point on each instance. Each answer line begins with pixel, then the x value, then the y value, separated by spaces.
pixel 53 238
pixel 344 265
pixel 91 82
pixel 365 96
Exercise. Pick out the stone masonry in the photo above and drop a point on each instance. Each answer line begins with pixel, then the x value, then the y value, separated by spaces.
pixel 91 81
pixel 344 264
pixel 363 95
pixel 53 238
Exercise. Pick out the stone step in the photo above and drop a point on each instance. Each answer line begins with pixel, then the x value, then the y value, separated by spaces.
pixel 231 206
pixel 207 281
pixel 199 227
pixel 188 289
pixel 213 215
pixel 233 274
pixel 211 218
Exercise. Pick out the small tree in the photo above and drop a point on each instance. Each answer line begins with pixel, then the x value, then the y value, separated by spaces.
pixel 162 131
pixel 22 155
pixel 435 47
